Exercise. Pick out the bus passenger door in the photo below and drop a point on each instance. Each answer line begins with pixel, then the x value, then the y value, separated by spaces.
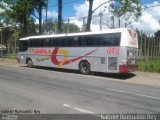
pixel 112 58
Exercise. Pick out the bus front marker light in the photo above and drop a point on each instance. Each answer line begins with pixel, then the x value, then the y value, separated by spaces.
pixel 22 57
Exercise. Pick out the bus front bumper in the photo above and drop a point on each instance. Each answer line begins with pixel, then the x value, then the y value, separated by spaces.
pixel 127 68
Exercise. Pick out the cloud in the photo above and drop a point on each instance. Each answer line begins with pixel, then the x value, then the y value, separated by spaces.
pixel 148 23
pixel 37 21
pixel 81 12
pixel 1 10
pixel 76 21
pixel 81 9
pixel 52 14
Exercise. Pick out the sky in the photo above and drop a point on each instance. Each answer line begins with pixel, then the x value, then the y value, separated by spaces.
pixel 76 9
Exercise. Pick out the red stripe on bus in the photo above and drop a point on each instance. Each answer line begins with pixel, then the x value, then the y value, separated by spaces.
pixel 56 62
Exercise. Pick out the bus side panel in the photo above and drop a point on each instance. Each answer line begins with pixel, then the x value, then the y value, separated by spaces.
pixel 102 59
pixel 64 57
pixel 22 57
pixel 70 57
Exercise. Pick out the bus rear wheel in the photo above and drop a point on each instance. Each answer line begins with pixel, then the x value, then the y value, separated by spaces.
pixel 85 68
pixel 30 63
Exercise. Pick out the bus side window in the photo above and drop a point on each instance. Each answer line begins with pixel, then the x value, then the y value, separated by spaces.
pixel 44 42
pixel 112 39
pixel 104 40
pixel 91 41
pixel 31 43
pixel 23 46
pixel 84 41
pixel 68 42
pixel 60 42
pixel 115 39
pixel 50 42
pixel 38 43
pixel 54 42
pixel 75 42
pixel 47 42
pixel 96 41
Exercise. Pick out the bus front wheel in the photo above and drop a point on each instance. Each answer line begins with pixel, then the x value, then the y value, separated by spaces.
pixel 85 68
pixel 30 63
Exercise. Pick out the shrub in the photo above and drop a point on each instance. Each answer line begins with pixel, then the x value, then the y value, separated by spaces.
pixel 150 66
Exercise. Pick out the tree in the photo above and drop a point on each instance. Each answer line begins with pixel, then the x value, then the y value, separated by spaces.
pixel 89 19
pixel 71 28
pixel 157 34
pixel 49 26
pixel 59 16
pixel 17 21
pixel 66 27
pixel 39 4
pixel 131 7
pixel 32 27
pixel 18 13
pixel 124 6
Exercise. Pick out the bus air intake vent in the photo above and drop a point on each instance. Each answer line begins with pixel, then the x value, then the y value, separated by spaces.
pixel 112 63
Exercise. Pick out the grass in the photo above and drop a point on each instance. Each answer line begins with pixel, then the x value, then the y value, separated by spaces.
pixel 150 65
pixel 11 56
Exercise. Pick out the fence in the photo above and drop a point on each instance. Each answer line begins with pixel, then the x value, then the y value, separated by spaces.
pixel 149 47
pixel 11 50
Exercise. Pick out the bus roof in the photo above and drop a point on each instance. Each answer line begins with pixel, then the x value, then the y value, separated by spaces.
pixel 76 34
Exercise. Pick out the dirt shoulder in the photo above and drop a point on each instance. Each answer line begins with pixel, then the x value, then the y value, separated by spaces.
pixel 145 78
pixel 9 62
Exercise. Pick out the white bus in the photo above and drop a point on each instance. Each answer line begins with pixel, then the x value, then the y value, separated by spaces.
pixel 111 51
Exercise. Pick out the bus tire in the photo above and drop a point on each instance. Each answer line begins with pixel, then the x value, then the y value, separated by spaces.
pixel 85 68
pixel 30 63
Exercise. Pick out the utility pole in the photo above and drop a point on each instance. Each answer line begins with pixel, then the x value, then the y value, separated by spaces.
pixel 1 36
pixel 112 21
pixel 119 23
pixel 46 16
pixel 101 15
pixel 84 24
pixel 1 43
pixel 68 25
pixel 59 16
pixel 141 43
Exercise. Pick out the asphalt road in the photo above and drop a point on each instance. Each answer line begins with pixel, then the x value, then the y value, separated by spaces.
pixel 53 91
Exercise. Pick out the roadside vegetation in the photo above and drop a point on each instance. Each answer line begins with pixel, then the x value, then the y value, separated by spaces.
pixel 12 56
pixel 150 65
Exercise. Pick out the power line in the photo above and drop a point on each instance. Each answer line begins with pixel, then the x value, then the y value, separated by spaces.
pixel 157 5
pixel 65 3
pixel 148 2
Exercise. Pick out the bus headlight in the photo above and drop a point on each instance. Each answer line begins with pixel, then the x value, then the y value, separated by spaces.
pixel 123 62
pixel 22 57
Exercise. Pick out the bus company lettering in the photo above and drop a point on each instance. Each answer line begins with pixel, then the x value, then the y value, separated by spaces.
pixel 40 51
pixel 112 50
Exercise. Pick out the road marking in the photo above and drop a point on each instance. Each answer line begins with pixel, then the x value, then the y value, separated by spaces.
pixel 148 96
pixel 77 109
